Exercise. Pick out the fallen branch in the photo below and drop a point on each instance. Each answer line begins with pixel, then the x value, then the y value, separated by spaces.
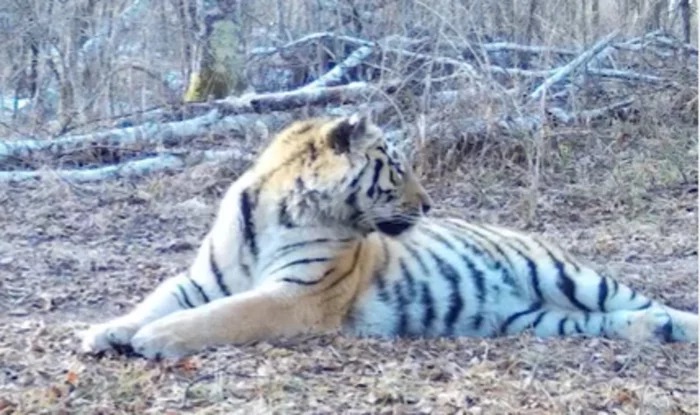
pixel 515 47
pixel 335 75
pixel 567 69
pixel 676 44
pixel 469 69
pixel 626 75
pixel 135 168
pixel 281 101
pixel 166 133
pixel 589 115
pixel 302 41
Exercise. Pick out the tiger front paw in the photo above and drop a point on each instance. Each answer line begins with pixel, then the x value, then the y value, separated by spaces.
pixel 163 339
pixel 113 335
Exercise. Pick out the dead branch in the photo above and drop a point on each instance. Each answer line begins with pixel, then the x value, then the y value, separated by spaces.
pixel 128 169
pixel 335 75
pixel 166 133
pixel 566 70
pixel 515 47
pixel 587 116
pixel 625 75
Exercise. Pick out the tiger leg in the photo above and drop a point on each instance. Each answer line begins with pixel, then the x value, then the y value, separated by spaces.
pixel 581 289
pixel 657 322
pixel 174 294
pixel 259 314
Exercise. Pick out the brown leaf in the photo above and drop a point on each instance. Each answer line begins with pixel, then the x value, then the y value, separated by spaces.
pixel 72 378
pixel 187 364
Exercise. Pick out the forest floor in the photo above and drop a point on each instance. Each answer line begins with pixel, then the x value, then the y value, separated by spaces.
pixel 623 198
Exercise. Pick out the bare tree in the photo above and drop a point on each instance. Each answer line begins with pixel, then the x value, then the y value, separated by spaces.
pixel 219 61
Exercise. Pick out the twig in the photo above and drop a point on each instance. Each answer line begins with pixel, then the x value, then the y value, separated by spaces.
pixel 267 51
pixel 567 69
pixel 469 69
pixel 588 115
pixel 627 75
pixel 515 47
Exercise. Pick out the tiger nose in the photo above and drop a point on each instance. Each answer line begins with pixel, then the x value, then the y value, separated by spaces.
pixel 426 207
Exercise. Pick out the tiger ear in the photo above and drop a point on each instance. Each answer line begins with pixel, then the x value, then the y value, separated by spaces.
pixel 348 133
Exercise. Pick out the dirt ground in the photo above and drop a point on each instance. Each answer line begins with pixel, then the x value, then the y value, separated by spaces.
pixel 73 254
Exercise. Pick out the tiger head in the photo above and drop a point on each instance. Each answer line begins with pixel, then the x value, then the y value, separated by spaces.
pixel 340 172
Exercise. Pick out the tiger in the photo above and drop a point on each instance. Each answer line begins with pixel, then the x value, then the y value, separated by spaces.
pixel 329 230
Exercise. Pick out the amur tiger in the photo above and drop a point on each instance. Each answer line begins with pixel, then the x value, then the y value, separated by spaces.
pixel 327 231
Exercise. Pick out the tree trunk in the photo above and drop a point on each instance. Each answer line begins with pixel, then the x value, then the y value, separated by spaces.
pixel 219 63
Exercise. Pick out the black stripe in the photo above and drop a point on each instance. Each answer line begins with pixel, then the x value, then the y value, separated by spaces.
pixel 566 284
pixel 199 289
pixel 328 272
pixel 378 165
pixel 428 306
pixel 476 275
pixel 616 287
pixel 564 254
pixel 245 269
pixel 494 264
pixel 351 200
pixel 439 238
pixel 633 295
pixel 218 275
pixel 477 322
pixel 179 302
pixel 355 258
pixel 313 152
pixel 409 278
pixel 392 179
pixel 248 225
pixel 456 301
pixel 577 328
pixel 184 296
pixel 302 261
pixel 359 175
pixel 307 282
pixel 378 276
pixel 383 294
pixel 401 304
pixel 284 218
pixel 304 244
pixel 510 320
pixel 602 293
pixel 538 320
pixel 416 255
pixel 525 247
pixel 285 249
pixel 562 326
pixel 646 305
pixel 457 229
pixel 532 267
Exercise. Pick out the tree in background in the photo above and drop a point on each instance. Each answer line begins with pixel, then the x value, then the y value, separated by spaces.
pixel 219 62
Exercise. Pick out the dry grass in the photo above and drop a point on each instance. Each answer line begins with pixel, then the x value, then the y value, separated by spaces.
pixel 622 195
